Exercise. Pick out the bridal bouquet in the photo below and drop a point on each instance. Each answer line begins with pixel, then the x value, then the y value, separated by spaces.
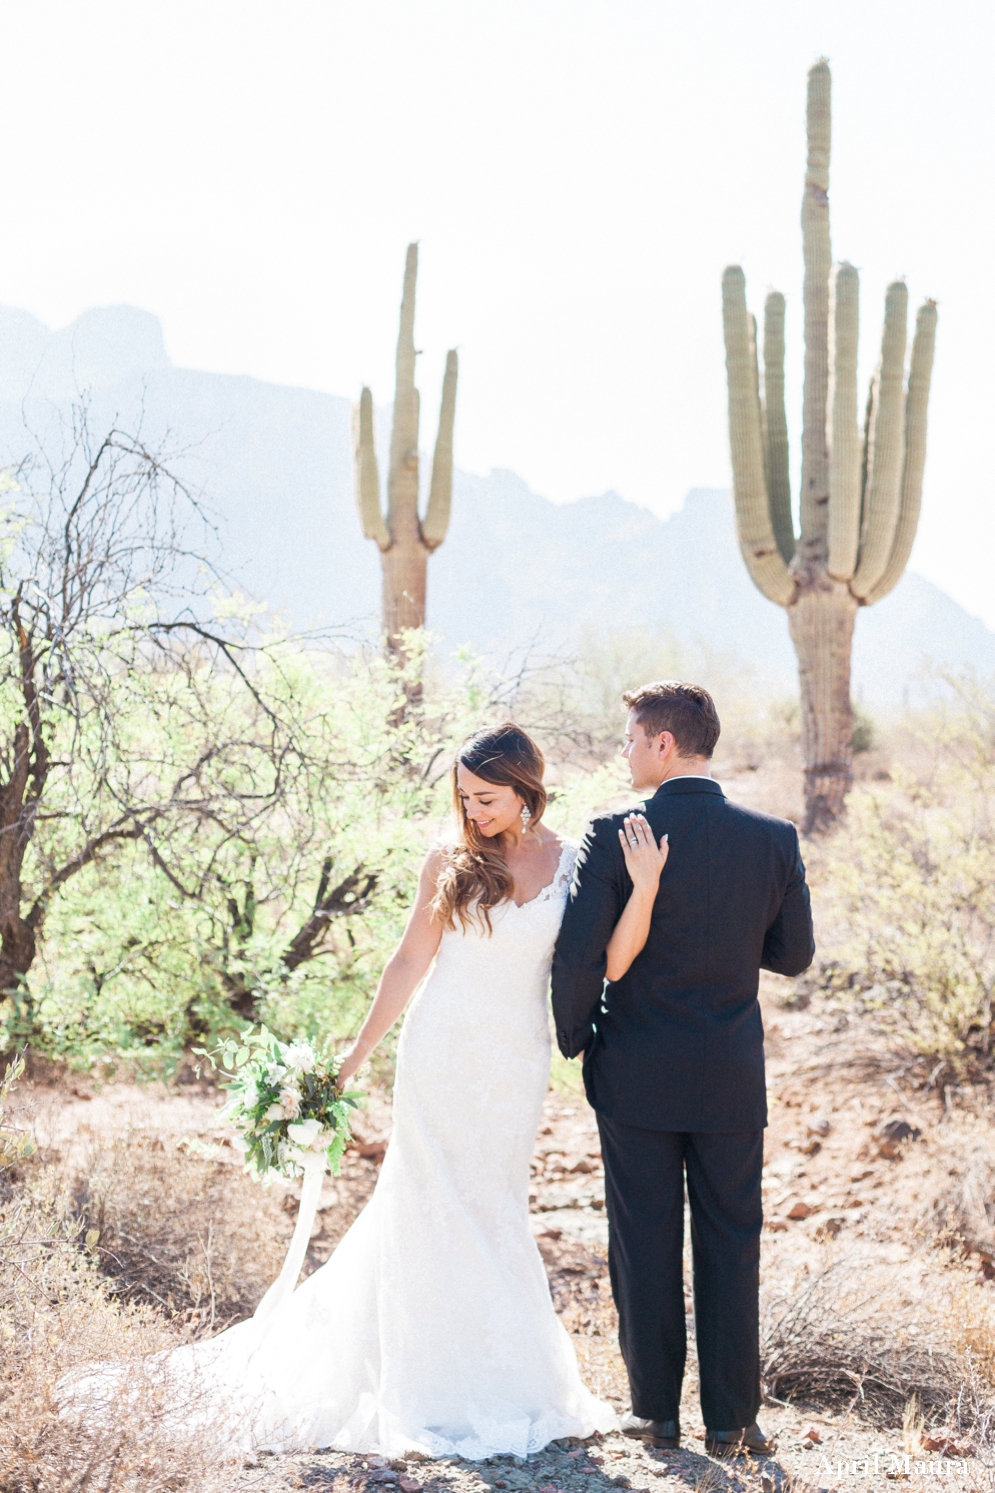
pixel 284 1100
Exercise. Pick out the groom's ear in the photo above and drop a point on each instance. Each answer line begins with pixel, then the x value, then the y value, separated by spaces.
pixel 666 745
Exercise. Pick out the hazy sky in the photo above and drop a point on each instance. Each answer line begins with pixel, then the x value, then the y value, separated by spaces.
pixel 578 173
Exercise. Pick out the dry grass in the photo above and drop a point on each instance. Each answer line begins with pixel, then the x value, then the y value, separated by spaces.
pixel 186 1233
pixel 57 1314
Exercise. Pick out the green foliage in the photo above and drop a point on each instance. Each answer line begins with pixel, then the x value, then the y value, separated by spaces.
pixel 865 732
pixel 278 889
pixel 282 899
pixel 15 1144
pixel 911 877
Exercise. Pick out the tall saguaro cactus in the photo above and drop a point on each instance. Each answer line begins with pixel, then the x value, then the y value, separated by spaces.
pixel 860 494
pixel 405 539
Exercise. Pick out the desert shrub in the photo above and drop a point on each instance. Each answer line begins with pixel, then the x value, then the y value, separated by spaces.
pixel 56 1315
pixel 865 732
pixel 909 882
pixel 279 895
pixel 848 1336
pixel 575 701
pixel 185 1232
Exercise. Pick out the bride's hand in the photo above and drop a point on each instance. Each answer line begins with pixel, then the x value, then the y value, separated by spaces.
pixel 644 859
pixel 351 1063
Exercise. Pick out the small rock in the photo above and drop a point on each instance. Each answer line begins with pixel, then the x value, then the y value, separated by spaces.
pixel 811 1148
pixel 830 1226
pixel 799 1209
pixel 583 1164
pixel 384 1475
pixel 409 1485
pixel 811 1433
pixel 777 1225
pixel 891 1136
pixel 377 1462
pixel 818 1125
pixel 551 1234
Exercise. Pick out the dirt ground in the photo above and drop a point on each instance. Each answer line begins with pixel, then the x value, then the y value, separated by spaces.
pixel 843 1192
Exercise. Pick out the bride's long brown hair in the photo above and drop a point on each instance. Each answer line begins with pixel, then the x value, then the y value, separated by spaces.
pixel 474 875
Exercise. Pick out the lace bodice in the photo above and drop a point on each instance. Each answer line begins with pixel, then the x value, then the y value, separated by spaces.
pixel 525 934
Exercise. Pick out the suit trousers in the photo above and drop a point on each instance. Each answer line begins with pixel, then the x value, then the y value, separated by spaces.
pixel 644 1197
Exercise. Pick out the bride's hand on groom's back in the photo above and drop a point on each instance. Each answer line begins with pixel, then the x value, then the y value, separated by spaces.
pixel 644 858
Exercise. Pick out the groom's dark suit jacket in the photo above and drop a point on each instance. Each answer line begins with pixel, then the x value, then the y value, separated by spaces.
pixel 677 1043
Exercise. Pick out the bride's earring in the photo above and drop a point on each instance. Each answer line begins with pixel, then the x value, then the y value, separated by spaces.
pixel 526 816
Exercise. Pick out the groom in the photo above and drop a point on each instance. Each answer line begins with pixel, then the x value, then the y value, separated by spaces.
pixel 674 1063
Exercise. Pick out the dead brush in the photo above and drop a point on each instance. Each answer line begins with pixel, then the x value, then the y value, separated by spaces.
pixel 962 1215
pixel 191 1235
pixel 56 1315
pixel 847 1339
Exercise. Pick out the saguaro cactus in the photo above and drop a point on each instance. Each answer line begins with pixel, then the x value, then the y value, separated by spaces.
pixel 405 539
pixel 860 497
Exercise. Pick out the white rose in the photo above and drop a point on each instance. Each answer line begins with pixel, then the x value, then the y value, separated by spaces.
pixel 250 1095
pixel 304 1132
pixel 275 1112
pixel 275 1072
pixel 290 1102
pixel 301 1056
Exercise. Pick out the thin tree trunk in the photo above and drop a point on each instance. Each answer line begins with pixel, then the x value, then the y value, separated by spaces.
pixel 821 622
pixel 17 941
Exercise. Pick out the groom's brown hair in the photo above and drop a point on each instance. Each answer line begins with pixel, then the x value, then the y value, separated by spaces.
pixel 687 711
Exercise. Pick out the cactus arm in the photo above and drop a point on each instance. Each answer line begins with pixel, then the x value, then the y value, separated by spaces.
pixel 775 427
pixel 756 535
pixel 440 495
pixel 751 323
pixel 916 404
pixel 402 479
pixel 884 448
pixel 367 477
pixel 818 263
pixel 844 439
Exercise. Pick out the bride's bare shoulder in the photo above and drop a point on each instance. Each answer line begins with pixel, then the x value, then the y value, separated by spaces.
pixel 437 858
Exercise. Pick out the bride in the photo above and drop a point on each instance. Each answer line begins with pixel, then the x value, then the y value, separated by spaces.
pixel 431 1327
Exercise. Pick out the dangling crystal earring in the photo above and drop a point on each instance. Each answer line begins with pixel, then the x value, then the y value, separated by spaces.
pixel 526 816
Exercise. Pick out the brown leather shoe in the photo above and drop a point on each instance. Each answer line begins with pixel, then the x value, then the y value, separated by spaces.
pixel 749 1442
pixel 662 1433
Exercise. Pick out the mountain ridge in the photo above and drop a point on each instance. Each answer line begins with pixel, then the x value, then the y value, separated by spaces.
pixel 275 463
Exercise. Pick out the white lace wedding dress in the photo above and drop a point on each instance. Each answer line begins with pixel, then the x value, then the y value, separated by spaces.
pixel 431 1327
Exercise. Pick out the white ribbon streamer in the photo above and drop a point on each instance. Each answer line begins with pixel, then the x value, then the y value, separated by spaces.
pixel 315 1166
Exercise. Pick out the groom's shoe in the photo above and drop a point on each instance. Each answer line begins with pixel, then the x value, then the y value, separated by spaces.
pixel 751 1441
pixel 662 1433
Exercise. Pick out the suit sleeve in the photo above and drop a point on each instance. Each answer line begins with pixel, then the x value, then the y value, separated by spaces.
pixel 579 961
pixel 789 945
